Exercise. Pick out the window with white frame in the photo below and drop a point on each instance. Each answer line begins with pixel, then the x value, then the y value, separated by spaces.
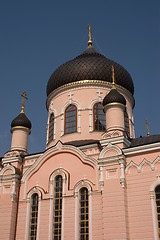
pixel 126 122
pixel 33 217
pixel 70 119
pixel 84 214
pixel 51 128
pixel 57 218
pixel 157 193
pixel 99 117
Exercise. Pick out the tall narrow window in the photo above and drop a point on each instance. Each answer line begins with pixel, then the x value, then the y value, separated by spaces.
pixel 99 117
pixel 34 216
pixel 51 128
pixel 157 192
pixel 70 119
pixel 84 217
pixel 126 122
pixel 57 208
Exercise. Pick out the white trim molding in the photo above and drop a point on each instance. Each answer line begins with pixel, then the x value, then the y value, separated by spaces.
pixel 140 166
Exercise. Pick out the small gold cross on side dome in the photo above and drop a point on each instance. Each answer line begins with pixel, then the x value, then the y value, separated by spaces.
pixel 148 134
pixel 113 79
pixel 23 101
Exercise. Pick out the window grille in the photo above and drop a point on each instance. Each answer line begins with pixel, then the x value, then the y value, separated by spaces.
pixel 99 117
pixel 57 208
pixel 157 193
pixel 34 216
pixel 84 217
pixel 51 128
pixel 70 119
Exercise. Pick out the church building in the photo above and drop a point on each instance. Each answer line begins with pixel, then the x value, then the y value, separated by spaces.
pixel 94 180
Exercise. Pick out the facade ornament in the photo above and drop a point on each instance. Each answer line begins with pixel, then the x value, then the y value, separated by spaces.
pixel 70 97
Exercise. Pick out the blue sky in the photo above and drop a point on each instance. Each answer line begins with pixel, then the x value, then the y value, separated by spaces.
pixel 38 36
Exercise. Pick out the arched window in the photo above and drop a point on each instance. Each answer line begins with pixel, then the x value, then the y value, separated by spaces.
pixel 157 193
pixel 70 119
pixel 126 122
pixel 99 117
pixel 84 214
pixel 57 221
pixel 51 128
pixel 33 216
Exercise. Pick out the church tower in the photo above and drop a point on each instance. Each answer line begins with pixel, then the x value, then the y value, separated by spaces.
pixel 20 129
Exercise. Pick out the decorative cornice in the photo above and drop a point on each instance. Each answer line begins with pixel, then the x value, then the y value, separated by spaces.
pixel 141 149
pixel 6 160
pixel 85 83
pixel 20 128
pixel 115 140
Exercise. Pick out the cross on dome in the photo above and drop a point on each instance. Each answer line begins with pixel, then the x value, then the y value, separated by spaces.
pixel 89 34
pixel 23 101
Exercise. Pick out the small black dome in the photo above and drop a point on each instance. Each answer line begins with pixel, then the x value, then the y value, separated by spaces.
pixel 90 65
pixel 21 120
pixel 114 96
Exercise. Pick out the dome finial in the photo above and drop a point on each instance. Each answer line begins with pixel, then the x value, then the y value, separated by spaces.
pixel 148 134
pixel 23 101
pixel 90 34
pixel 113 78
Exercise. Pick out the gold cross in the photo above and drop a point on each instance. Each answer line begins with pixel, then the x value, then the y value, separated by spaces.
pixel 148 134
pixel 90 34
pixel 23 101
pixel 113 79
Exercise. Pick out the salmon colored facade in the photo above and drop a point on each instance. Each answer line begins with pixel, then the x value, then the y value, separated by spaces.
pixel 95 180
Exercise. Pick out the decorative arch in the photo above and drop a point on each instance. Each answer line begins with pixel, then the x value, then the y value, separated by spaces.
pixel 32 191
pixel 80 185
pixel 8 167
pixel 53 176
pixel 57 149
pixel 111 135
pixel 110 148
pixel 140 166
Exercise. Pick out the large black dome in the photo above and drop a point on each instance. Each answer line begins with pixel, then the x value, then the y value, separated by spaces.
pixel 90 65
